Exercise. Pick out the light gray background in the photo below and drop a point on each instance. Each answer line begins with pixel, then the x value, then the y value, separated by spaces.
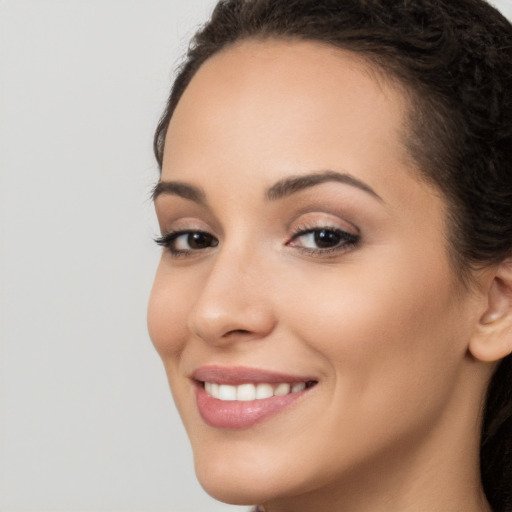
pixel 86 419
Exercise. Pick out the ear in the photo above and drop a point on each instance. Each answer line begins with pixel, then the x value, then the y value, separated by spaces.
pixel 493 337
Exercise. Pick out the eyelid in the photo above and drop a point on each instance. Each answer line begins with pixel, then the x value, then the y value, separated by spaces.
pixel 322 220
pixel 304 230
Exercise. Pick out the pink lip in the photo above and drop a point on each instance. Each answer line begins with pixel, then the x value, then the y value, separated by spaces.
pixel 240 415
pixel 235 375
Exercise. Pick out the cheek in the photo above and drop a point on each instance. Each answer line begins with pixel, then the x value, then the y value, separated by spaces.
pixel 387 334
pixel 167 314
pixel 391 351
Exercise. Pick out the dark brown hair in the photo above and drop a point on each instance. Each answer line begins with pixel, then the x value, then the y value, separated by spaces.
pixel 454 57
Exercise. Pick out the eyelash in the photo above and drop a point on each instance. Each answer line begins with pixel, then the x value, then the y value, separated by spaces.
pixel 346 241
pixel 167 241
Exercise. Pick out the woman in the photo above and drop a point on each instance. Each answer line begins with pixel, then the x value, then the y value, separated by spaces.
pixel 333 305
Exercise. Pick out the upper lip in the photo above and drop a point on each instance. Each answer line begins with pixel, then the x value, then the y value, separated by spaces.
pixel 235 375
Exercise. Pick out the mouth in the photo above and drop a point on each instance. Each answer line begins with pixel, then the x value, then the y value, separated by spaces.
pixel 238 398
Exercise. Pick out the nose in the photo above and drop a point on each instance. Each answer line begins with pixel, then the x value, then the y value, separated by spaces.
pixel 234 304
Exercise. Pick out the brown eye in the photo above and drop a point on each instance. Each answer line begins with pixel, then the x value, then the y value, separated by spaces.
pixel 323 238
pixel 184 242
pixel 199 240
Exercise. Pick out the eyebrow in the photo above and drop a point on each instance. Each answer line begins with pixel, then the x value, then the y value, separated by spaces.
pixel 177 188
pixel 294 184
pixel 279 190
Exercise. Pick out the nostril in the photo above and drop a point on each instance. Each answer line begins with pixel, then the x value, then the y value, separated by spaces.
pixel 237 332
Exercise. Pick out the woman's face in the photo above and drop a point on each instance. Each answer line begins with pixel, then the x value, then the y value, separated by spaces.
pixel 305 262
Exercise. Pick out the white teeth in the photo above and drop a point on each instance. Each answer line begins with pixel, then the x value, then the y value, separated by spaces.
pixel 298 387
pixel 245 392
pixel 248 392
pixel 264 391
pixel 227 392
pixel 282 389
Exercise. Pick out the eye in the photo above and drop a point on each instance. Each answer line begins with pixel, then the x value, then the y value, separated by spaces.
pixel 323 240
pixel 185 242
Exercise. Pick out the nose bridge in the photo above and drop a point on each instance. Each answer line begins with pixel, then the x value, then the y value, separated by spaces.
pixel 233 301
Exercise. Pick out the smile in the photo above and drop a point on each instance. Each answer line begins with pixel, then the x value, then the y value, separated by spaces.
pixel 239 398
pixel 248 392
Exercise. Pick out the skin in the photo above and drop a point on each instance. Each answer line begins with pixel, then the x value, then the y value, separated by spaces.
pixel 383 324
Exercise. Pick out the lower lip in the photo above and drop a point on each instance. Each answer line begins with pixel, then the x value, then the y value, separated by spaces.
pixel 239 415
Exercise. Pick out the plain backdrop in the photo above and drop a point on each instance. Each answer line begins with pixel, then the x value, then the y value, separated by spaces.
pixel 86 419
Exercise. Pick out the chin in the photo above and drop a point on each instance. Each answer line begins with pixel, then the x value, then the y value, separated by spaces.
pixel 244 481
pixel 235 489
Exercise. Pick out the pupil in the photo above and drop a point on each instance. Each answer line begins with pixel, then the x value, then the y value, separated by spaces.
pixel 325 238
pixel 199 240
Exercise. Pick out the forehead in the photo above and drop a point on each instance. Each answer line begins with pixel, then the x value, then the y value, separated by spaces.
pixel 259 107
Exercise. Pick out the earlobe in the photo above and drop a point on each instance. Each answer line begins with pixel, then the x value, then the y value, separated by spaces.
pixel 492 340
